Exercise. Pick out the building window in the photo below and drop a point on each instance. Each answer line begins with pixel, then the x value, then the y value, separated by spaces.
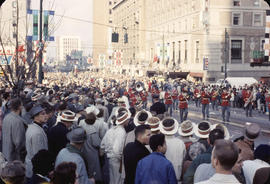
pixel 257 3
pixel 110 11
pixel 262 45
pixel 257 19
pixel 186 51
pixel 236 51
pixel 236 19
pixel 197 51
pixel 236 2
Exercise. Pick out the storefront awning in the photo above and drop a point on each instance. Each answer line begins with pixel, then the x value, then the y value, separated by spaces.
pixel 174 75
pixel 196 74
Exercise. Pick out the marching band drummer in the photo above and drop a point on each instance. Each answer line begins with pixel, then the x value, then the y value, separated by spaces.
pixel 168 101
pixel 183 105
pixel 205 100
pixel 248 102
pixel 225 104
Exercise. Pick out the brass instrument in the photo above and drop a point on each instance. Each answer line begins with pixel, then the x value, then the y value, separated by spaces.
pixel 139 86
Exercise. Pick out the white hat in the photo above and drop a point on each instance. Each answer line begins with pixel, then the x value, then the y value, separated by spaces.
pixel 224 129
pixel 68 115
pixel 186 128
pixel 203 129
pixel 93 109
pixel 122 115
pixel 168 126
pixel 141 117
pixel 153 122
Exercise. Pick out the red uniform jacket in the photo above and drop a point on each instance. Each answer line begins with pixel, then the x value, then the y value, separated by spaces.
pixel 246 95
pixel 213 95
pixel 175 94
pixel 205 98
pixel 196 92
pixel 225 99
pixel 182 102
pixel 168 98
pixel 144 95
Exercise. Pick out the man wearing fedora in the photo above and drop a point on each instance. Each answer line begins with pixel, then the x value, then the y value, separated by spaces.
pixel 13 133
pixel 245 145
pixel 36 138
pixel 155 168
pixel 135 151
pixel 72 153
pixel 57 139
pixel 204 157
pixel 176 149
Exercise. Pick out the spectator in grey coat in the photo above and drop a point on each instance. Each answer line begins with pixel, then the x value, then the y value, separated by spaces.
pixel 14 133
pixel 36 138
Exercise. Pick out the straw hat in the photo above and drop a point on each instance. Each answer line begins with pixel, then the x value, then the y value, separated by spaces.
pixel 141 117
pixel 122 115
pixel 153 122
pixel 186 128
pixel 224 129
pixel 203 129
pixel 168 126
pixel 68 115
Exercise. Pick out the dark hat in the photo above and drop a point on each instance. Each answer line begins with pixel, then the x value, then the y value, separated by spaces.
pixel 77 135
pixel 156 96
pixel 36 110
pixel 252 131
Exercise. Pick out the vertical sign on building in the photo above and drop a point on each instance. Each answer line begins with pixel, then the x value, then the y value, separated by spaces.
pixel 46 26
pixel 35 25
pixel 205 63
pixel 267 37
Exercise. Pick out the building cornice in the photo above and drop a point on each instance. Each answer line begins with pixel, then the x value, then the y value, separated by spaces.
pixel 118 4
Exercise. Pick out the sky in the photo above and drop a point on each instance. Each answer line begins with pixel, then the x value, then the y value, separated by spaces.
pixel 80 9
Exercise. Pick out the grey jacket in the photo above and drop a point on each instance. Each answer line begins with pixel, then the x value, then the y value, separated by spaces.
pixel 13 130
pixel 36 140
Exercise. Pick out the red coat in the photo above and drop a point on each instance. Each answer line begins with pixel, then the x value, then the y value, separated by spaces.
pixel 213 95
pixel 246 95
pixel 132 99
pixel 196 92
pixel 144 95
pixel 205 98
pixel 182 102
pixel 168 98
pixel 175 94
pixel 225 99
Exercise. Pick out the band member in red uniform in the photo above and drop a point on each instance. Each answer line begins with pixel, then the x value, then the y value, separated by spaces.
pixel 248 99
pixel 225 104
pixel 205 100
pixel 168 101
pixel 175 98
pixel 183 106
pixel 144 95
pixel 197 96
pixel 214 95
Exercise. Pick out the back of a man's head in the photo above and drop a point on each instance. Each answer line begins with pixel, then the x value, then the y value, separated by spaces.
pixel 15 104
pixel 139 130
pixel 156 140
pixel 226 152
pixel 215 135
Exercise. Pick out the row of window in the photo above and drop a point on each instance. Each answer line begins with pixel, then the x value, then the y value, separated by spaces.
pixel 238 2
pixel 237 19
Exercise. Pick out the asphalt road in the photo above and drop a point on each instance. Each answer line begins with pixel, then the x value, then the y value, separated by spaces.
pixel 237 122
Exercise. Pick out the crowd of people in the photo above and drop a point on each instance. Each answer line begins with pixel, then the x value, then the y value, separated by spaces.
pixel 89 129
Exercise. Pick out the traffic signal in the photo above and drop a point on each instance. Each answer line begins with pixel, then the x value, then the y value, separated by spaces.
pixel 115 37
pixel 267 1
pixel 126 38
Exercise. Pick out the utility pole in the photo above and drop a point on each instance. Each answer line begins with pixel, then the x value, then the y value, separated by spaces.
pixel 163 50
pixel 226 52
pixel 40 43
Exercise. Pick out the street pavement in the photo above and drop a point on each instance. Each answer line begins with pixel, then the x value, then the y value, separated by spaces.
pixel 237 122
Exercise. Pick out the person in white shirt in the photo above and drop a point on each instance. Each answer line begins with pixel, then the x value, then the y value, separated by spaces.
pixel 262 159
pixel 176 149
pixel 224 156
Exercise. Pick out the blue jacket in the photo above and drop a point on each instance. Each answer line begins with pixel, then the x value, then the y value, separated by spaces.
pixel 155 168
